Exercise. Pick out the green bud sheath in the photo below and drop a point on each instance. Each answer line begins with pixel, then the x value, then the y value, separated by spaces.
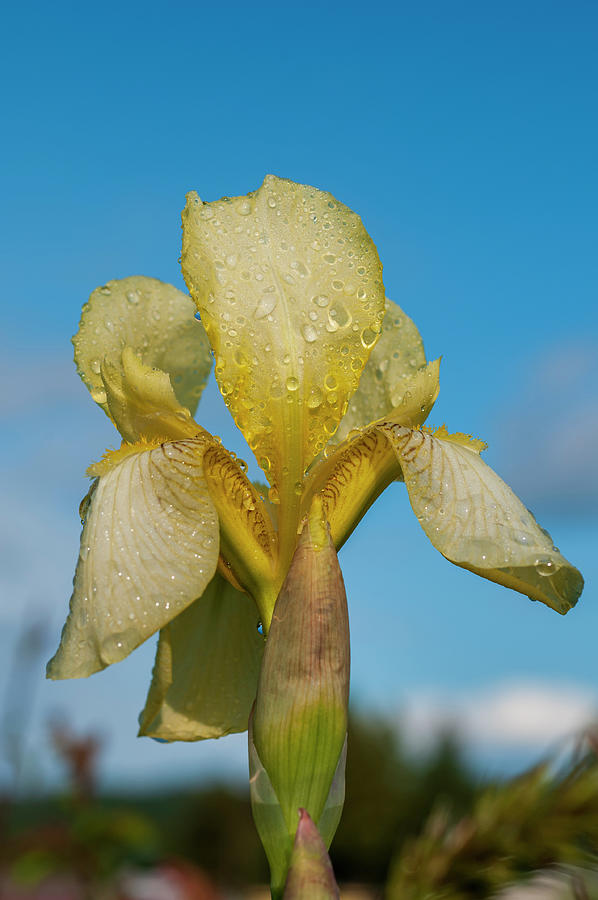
pixel 300 716
pixel 310 874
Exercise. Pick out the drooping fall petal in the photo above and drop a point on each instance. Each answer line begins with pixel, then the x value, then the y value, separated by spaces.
pixel 289 286
pixel 397 356
pixel 149 548
pixel 475 519
pixel 206 670
pixel 157 321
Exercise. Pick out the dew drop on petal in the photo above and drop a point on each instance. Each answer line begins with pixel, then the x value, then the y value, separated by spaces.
pixel 265 306
pixel 545 566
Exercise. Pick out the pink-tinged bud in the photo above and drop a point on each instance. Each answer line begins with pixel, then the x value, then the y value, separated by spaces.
pixel 310 874
pixel 300 717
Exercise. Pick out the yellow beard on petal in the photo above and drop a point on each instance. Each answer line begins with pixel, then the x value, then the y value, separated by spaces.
pixel 112 458
pixel 459 437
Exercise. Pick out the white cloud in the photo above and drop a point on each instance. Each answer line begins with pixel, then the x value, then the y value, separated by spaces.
pixel 517 715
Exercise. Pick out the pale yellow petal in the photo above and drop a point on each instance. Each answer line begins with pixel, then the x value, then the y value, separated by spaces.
pixel 207 665
pixel 141 401
pixel 475 519
pixel 397 356
pixel 157 321
pixel 419 395
pixel 149 547
pixel 289 286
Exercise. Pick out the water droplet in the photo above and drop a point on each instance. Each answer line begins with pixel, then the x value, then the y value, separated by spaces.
pixel 321 300
pixel 292 383
pixel 545 566
pixel 340 315
pixel 315 398
pixel 115 646
pixel 197 316
pixel 260 626
pixel 300 268
pixel 368 338
pixel 309 333
pixel 132 297
pixel 265 306
pixel 273 496
pixel 98 395
pixel 95 366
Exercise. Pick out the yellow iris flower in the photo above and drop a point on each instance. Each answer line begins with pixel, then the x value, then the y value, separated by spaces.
pixel 328 382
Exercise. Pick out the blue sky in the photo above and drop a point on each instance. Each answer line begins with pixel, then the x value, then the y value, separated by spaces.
pixel 465 135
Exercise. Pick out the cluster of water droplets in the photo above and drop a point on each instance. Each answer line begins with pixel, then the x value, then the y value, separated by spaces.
pixel 149 547
pixel 156 321
pixel 295 294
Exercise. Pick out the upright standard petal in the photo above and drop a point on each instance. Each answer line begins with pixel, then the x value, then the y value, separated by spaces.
pixel 289 286
pixel 475 519
pixel 157 321
pixel 207 667
pixel 397 356
pixel 149 547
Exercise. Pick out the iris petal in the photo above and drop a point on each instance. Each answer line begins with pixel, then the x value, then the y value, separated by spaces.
pixel 475 519
pixel 149 547
pixel 207 666
pixel 157 321
pixel 397 356
pixel 289 286
pixel 141 401
pixel 352 477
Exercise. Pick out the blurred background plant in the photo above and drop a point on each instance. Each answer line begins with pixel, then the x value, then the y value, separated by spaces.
pixel 415 826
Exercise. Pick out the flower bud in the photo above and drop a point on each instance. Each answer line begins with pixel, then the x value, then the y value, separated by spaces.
pixel 299 724
pixel 310 874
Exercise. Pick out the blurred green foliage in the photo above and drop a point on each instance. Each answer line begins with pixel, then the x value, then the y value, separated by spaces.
pixel 390 794
pixel 542 819
pixel 422 824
